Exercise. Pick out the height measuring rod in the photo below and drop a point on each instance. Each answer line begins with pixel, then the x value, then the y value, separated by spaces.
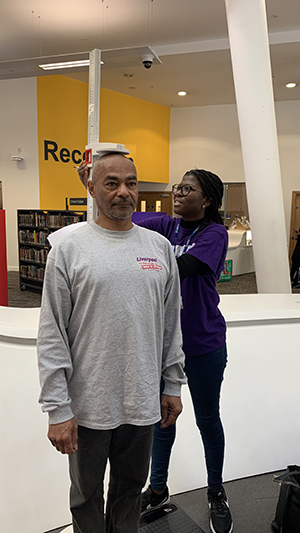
pixel 94 117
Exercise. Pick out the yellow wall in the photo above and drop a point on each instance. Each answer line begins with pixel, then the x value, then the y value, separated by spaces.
pixel 62 118
pixel 141 126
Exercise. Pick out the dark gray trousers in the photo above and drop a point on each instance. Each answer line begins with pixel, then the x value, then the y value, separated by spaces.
pixel 128 450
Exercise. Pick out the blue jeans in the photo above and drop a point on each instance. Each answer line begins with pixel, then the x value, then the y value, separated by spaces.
pixel 205 376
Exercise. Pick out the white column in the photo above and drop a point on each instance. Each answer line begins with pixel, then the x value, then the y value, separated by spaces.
pixel 94 116
pixel 248 35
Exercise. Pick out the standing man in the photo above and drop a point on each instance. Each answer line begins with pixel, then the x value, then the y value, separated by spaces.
pixel 109 328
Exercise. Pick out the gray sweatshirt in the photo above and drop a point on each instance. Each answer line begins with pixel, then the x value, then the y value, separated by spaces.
pixel 109 328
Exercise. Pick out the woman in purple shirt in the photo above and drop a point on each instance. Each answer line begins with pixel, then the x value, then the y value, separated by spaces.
pixel 200 243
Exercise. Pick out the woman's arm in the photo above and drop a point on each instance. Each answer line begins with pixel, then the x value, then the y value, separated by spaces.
pixel 189 265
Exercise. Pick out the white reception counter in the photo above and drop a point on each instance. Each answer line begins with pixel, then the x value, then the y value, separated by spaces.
pixel 260 411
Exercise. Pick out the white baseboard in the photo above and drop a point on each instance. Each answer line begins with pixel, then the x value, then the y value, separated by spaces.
pixel 13 269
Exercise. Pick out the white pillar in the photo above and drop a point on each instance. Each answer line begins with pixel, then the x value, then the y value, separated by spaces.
pixel 248 35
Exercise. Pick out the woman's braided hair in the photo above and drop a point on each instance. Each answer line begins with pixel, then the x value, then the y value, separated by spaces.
pixel 212 187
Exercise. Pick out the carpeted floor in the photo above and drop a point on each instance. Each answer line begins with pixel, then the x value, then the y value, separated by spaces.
pixel 18 298
pixel 244 284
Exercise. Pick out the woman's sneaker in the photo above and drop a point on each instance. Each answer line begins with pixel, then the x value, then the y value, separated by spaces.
pixel 220 517
pixel 152 501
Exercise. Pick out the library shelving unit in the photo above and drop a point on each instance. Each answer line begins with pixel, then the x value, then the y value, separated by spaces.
pixel 34 226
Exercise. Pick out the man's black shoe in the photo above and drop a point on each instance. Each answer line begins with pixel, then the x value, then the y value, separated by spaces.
pixel 220 517
pixel 152 501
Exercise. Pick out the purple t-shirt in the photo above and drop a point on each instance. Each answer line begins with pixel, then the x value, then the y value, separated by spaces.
pixel 203 325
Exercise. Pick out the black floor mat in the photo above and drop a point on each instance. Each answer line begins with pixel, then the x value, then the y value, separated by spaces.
pixel 168 519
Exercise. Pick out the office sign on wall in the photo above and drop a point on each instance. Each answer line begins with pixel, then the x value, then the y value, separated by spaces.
pixel 64 155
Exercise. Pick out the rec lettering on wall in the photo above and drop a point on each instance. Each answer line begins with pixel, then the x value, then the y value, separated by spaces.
pixel 52 151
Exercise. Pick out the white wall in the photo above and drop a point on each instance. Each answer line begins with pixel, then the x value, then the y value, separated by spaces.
pixel 208 137
pixel 20 181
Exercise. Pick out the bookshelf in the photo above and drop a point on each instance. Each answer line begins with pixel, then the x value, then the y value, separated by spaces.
pixel 34 226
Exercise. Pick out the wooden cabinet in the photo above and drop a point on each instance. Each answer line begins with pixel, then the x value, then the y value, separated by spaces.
pixel 33 228
pixel 155 201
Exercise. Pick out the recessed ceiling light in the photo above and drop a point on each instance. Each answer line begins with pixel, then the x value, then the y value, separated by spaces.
pixel 128 75
pixel 132 87
pixel 181 93
pixel 291 85
pixel 67 64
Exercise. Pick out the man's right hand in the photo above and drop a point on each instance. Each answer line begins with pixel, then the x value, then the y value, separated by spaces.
pixel 83 172
pixel 64 436
pixel 171 407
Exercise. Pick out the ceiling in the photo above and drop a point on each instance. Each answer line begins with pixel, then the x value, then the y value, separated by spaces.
pixel 190 37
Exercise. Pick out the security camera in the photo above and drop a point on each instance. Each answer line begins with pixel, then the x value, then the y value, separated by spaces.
pixel 147 60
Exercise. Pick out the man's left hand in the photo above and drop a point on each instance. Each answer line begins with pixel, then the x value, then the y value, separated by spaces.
pixel 171 408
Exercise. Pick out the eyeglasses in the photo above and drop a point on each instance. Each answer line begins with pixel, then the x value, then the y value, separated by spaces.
pixel 184 190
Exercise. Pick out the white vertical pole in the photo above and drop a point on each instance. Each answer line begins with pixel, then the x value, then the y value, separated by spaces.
pixel 248 36
pixel 94 116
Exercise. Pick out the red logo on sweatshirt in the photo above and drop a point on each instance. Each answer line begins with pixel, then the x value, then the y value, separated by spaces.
pixel 148 263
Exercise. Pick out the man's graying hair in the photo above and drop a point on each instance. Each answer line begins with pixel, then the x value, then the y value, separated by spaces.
pixel 212 187
pixel 108 155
